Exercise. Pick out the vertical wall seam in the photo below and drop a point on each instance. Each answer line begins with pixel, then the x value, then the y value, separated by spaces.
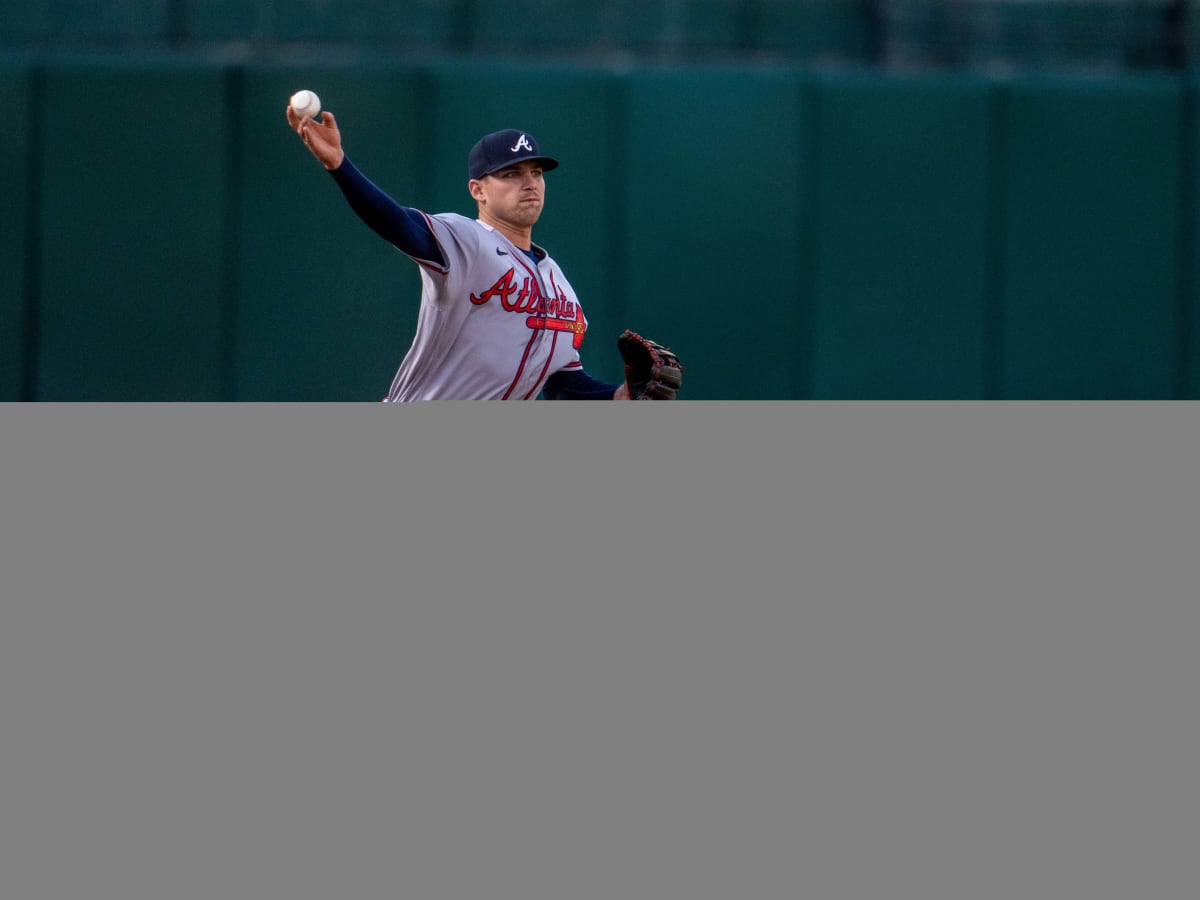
pixel 616 212
pixel 809 128
pixel 1185 298
pixel 231 236
pixel 994 289
pixel 31 311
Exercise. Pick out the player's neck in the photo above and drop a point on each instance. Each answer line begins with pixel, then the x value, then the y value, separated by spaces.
pixel 522 238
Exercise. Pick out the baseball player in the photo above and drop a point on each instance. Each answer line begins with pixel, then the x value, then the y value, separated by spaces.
pixel 498 318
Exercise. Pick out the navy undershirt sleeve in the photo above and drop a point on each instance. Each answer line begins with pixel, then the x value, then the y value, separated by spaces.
pixel 576 385
pixel 402 226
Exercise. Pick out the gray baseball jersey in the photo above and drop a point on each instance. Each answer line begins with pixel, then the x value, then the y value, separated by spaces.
pixel 492 324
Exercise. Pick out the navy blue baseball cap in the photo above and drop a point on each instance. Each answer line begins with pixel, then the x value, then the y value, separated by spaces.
pixel 499 149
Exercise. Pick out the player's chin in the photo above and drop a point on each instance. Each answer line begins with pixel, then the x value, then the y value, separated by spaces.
pixel 528 213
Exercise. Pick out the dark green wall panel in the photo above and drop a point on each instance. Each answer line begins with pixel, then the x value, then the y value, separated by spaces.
pixel 714 163
pixel 901 253
pixel 325 308
pixel 14 231
pixel 1090 240
pixel 133 198
pixel 571 114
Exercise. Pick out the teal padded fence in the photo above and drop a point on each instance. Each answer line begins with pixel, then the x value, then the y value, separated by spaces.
pixel 904 238
pixel 874 237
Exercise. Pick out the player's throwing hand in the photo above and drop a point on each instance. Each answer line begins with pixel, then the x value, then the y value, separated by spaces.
pixel 322 138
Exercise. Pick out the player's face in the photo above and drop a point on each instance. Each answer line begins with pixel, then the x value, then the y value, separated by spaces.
pixel 514 195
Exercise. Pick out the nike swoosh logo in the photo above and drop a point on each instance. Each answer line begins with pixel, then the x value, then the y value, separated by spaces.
pixel 500 252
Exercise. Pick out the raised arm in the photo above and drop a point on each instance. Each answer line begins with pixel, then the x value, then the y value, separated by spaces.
pixel 405 228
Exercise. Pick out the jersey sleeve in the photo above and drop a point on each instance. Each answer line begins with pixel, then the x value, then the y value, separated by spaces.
pixel 405 228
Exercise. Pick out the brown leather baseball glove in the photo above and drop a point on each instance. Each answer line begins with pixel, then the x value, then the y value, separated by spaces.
pixel 652 372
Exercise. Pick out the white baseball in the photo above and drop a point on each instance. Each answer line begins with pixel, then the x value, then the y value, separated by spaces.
pixel 305 103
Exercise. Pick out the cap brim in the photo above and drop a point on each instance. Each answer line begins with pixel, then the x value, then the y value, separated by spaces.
pixel 548 163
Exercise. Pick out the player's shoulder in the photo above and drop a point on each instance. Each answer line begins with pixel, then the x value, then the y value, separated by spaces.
pixel 452 218
pixel 462 228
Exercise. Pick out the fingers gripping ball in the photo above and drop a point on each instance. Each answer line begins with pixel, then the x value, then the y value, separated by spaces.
pixel 652 372
pixel 305 103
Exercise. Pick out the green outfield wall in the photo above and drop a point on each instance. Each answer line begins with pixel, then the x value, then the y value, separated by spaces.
pixel 166 237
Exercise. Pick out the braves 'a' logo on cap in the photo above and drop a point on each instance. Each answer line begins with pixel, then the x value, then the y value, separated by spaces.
pixel 523 144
